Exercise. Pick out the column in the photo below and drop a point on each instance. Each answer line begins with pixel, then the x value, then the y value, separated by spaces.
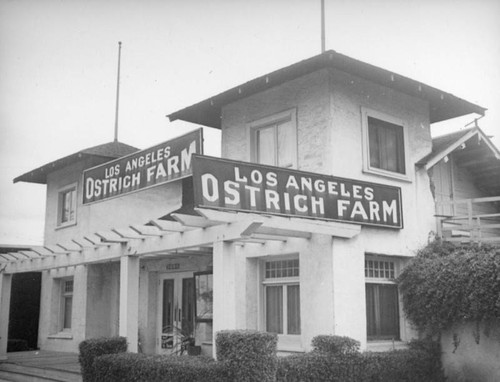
pixel 5 286
pixel 129 300
pixel 224 288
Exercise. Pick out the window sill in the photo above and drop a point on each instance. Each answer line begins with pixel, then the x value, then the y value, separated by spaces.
pixel 380 346
pixel 66 225
pixel 61 336
pixel 387 174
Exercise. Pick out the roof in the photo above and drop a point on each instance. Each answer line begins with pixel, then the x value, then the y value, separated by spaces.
pixel 111 150
pixel 443 105
pixel 472 150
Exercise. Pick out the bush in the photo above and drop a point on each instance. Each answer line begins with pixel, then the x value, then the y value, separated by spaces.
pixel 130 367
pixel 93 348
pixel 447 284
pixel 335 345
pixel 420 363
pixel 248 355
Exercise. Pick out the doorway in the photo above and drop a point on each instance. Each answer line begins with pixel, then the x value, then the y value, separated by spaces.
pixel 175 322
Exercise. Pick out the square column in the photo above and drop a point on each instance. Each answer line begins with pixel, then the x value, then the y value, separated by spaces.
pixel 224 288
pixel 129 300
pixel 5 287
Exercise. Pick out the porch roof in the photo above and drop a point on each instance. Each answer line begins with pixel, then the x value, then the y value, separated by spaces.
pixel 472 150
pixel 443 105
pixel 185 234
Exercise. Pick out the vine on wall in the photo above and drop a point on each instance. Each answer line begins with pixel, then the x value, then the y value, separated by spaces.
pixel 447 284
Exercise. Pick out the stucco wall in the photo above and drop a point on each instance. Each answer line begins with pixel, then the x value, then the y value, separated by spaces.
pixel 471 361
pixel 120 212
pixel 329 106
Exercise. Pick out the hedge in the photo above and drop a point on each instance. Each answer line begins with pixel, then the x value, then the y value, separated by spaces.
pixel 335 345
pixel 92 348
pixel 249 355
pixel 130 367
pixel 420 363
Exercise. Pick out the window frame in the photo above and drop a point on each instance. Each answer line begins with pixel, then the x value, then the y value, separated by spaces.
pixel 367 167
pixel 64 295
pixel 384 281
pixel 259 124
pixel 60 205
pixel 285 282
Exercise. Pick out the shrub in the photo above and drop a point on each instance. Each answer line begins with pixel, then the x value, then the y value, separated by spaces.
pixel 249 355
pixel 335 345
pixel 447 284
pixel 420 363
pixel 131 367
pixel 92 348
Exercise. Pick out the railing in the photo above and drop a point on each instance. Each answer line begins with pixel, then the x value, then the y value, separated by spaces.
pixel 469 220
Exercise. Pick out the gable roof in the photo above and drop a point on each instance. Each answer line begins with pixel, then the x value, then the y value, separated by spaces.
pixel 472 150
pixel 443 105
pixel 111 150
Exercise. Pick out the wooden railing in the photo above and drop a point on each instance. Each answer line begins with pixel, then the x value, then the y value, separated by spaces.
pixel 469 220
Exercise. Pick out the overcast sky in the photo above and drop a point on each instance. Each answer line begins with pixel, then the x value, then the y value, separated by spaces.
pixel 58 63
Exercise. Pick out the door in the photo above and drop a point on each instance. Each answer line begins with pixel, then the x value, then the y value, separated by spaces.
pixel 175 320
pixel 442 178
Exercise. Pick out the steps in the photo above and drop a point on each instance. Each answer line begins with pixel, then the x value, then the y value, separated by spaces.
pixel 17 373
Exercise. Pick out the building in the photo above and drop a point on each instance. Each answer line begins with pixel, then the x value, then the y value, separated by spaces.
pixel 327 185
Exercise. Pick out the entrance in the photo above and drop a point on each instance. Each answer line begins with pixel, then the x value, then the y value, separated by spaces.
pixel 175 321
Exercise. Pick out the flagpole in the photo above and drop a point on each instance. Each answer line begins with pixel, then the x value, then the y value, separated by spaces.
pixel 323 26
pixel 117 90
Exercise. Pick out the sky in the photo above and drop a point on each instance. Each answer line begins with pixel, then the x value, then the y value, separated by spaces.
pixel 58 69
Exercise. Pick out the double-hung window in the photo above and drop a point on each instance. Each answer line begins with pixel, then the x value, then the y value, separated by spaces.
pixel 66 214
pixel 385 148
pixel 282 296
pixel 274 140
pixel 382 301
pixel 66 304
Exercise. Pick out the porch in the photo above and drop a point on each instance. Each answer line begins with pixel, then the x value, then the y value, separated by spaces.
pixel 469 220
pixel 40 365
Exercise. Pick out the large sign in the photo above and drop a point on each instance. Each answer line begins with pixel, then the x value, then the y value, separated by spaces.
pixel 240 186
pixel 156 165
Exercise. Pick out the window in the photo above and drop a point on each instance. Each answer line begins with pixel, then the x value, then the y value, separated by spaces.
pixel 67 206
pixel 66 303
pixel 274 140
pixel 384 145
pixel 382 301
pixel 282 296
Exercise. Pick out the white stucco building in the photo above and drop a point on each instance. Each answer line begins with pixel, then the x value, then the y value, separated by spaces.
pixel 326 188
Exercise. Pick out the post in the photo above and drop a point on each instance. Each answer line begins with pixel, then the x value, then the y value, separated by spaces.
pixel 129 301
pixel 224 288
pixel 5 288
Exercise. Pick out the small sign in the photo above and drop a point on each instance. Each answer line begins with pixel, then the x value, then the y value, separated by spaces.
pixel 156 165
pixel 241 186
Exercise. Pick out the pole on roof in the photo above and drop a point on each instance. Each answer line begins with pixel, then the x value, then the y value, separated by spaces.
pixel 323 26
pixel 117 90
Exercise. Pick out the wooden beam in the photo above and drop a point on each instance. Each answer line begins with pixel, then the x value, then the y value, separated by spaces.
pixel 128 233
pixel 138 247
pixel 146 230
pixel 82 243
pixel 68 247
pixel 31 254
pixel 194 221
pixel 42 251
pixel 95 240
pixel 437 158
pixel 2 255
pixel 169 226
pixel 55 249
pixel 111 237
pixel 286 226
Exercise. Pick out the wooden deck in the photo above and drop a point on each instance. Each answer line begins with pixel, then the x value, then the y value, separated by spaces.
pixel 40 365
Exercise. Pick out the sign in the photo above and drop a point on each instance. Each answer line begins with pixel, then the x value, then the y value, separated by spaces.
pixel 241 186
pixel 157 165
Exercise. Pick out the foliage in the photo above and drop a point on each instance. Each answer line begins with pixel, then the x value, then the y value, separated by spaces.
pixel 335 345
pixel 420 363
pixel 447 284
pixel 92 348
pixel 249 355
pixel 129 367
